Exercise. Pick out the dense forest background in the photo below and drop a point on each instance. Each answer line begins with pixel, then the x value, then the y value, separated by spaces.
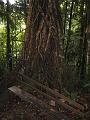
pixel 75 40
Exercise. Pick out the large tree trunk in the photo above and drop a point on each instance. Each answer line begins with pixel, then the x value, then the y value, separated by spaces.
pixel 81 41
pixel 82 61
pixel 84 46
pixel 42 52
pixel 88 37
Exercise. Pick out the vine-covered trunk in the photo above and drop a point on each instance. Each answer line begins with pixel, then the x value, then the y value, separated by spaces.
pixel 42 52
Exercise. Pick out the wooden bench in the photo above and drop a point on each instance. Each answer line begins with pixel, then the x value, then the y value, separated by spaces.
pixel 67 104
pixel 30 98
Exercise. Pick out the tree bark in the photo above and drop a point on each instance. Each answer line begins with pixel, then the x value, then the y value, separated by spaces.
pixel 9 55
pixel 69 32
pixel 88 36
pixel 42 52
pixel 82 61
pixel 65 19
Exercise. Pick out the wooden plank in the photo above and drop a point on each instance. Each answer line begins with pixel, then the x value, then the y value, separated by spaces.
pixel 68 107
pixel 29 97
pixel 60 102
pixel 56 94
pixel 71 102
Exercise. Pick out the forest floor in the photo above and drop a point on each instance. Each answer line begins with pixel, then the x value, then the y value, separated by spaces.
pixel 16 109
pixel 20 110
